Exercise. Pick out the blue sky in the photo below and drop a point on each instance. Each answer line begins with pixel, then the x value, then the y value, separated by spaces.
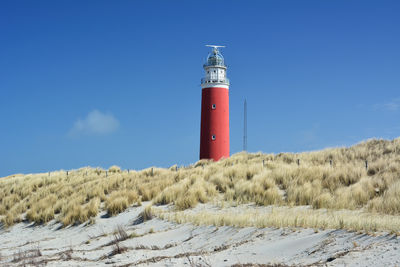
pixel 118 82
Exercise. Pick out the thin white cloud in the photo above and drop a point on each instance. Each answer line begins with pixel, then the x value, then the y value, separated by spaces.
pixel 95 123
pixel 393 105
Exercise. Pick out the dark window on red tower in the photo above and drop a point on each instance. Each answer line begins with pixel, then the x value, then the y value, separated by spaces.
pixel 213 137
pixel 213 106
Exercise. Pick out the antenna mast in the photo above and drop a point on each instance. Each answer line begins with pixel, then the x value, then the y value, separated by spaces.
pixel 245 126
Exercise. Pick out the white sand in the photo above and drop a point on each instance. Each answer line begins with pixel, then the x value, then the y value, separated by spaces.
pixel 162 243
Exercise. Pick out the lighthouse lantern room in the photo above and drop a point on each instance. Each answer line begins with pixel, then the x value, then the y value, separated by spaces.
pixel 214 135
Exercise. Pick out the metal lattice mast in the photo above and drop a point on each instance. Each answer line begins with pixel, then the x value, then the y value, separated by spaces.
pixel 245 126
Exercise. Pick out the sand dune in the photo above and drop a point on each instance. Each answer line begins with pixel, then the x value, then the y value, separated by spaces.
pixel 159 242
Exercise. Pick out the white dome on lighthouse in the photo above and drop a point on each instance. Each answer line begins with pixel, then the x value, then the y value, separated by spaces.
pixel 215 58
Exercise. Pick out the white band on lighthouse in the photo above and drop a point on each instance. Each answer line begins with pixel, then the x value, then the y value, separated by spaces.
pixel 209 85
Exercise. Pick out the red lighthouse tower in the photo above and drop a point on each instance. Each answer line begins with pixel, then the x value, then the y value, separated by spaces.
pixel 214 136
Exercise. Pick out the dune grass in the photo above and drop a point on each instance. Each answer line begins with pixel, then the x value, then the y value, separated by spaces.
pixel 331 179
pixel 278 217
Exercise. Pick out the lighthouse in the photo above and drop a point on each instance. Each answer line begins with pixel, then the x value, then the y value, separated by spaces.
pixel 214 135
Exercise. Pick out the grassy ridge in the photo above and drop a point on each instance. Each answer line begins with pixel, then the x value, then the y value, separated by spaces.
pixel 354 220
pixel 331 179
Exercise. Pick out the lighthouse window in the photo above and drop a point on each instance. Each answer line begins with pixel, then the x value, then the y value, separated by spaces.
pixel 213 106
pixel 215 71
pixel 213 137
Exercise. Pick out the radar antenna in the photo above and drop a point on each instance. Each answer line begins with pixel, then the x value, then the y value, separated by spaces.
pixel 215 47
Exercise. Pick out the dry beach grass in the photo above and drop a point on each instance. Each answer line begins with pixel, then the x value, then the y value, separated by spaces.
pixel 331 181
pixel 279 217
